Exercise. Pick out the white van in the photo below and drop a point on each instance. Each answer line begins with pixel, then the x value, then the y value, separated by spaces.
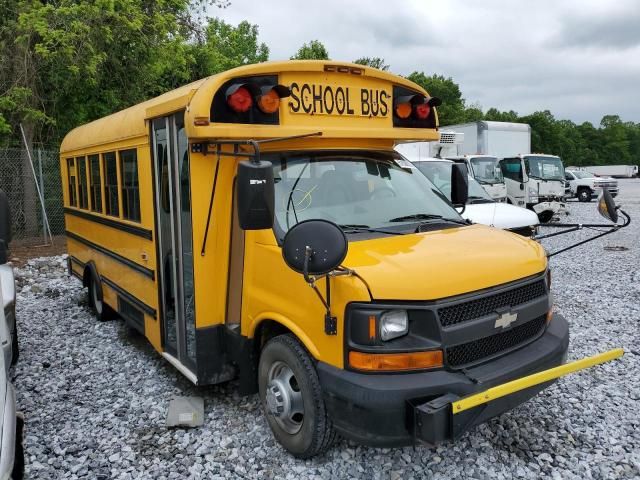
pixel 480 207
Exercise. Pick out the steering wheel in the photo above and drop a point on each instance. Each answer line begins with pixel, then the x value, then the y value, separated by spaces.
pixel 382 192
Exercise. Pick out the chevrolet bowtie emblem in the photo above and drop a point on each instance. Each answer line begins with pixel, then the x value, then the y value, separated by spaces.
pixel 505 320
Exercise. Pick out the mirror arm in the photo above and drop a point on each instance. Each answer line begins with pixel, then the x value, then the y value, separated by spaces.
pixel 330 322
pixel 614 228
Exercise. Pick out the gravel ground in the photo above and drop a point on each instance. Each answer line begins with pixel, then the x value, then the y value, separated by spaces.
pixel 95 395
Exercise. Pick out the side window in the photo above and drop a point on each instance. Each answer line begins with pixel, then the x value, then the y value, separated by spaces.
pixel 130 190
pixel 110 184
pixel 511 168
pixel 83 198
pixel 95 183
pixel 71 182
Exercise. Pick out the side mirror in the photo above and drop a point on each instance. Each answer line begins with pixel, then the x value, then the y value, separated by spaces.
pixel 5 226
pixel 255 195
pixel 522 186
pixel 459 184
pixel 314 247
pixel 607 206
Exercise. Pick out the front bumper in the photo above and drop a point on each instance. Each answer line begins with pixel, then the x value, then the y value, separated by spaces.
pixel 384 410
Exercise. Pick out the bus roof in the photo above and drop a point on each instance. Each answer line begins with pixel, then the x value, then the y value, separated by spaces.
pixel 196 98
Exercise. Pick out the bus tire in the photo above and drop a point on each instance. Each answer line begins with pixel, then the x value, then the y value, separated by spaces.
pixel 291 398
pixel 100 309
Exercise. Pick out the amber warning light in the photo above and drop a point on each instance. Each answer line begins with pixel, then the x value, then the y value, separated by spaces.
pixel 241 97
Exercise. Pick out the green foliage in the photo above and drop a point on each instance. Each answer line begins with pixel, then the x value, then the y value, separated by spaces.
pixel 226 47
pixel 314 50
pixel 452 110
pixel 374 62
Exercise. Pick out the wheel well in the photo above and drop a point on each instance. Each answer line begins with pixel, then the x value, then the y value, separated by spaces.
pixel 267 330
pixel 583 187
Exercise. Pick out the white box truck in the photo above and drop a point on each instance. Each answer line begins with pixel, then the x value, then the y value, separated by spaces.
pixel 484 143
pixel 499 139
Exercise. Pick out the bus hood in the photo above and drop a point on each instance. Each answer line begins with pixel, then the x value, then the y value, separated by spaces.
pixel 440 264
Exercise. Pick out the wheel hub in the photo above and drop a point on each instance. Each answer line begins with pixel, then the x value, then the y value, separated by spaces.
pixel 283 398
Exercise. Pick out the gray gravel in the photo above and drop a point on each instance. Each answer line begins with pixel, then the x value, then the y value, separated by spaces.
pixel 95 395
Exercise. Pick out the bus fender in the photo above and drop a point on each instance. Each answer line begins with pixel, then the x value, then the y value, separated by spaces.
pixel 289 325
pixel 91 272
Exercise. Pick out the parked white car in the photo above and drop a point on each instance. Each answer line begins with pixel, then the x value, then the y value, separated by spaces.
pixel 585 185
pixel 11 449
pixel 480 207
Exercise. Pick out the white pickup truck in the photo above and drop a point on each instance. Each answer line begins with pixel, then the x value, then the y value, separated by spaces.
pixel 585 185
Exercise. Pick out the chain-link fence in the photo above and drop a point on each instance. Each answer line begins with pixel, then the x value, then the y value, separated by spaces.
pixel 19 183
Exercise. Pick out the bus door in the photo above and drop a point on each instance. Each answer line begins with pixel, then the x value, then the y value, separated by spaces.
pixel 174 239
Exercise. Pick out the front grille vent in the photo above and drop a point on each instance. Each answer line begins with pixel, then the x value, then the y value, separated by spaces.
pixel 480 307
pixel 472 352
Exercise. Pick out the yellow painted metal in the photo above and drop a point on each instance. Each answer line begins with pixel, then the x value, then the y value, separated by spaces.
pixel 532 380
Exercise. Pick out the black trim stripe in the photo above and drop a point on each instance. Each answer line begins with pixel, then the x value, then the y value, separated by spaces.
pixel 132 229
pixel 130 298
pixel 77 261
pixel 77 275
pixel 147 272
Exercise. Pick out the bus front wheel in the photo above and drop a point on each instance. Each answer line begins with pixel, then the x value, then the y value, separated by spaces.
pixel 291 398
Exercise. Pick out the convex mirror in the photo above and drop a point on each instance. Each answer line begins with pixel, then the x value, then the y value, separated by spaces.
pixel 327 247
pixel 607 206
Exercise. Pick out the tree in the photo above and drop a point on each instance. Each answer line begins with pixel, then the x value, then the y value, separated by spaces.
pixel 452 110
pixel 374 62
pixel 314 50
pixel 225 47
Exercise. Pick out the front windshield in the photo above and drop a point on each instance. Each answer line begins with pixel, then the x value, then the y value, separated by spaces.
pixel 546 168
pixel 583 174
pixel 440 174
pixel 486 170
pixel 352 189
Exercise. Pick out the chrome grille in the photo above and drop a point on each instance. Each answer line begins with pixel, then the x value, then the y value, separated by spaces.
pixel 462 312
pixel 471 352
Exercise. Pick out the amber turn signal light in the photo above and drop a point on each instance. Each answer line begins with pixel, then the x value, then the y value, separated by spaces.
pixel 395 361
pixel 403 110
pixel 269 102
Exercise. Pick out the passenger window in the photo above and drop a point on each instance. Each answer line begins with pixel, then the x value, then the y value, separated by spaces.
pixel 95 183
pixel 71 182
pixel 130 189
pixel 110 184
pixel 83 198
pixel 512 169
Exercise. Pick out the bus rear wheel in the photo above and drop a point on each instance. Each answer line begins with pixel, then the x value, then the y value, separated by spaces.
pixel 101 310
pixel 291 398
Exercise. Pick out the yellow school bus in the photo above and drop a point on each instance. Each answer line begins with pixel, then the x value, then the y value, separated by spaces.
pixel 258 224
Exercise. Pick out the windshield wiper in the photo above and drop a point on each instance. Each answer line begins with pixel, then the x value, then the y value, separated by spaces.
pixel 357 228
pixel 427 216
pixel 474 199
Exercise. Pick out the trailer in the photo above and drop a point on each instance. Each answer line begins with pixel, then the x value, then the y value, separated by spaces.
pixel 617 171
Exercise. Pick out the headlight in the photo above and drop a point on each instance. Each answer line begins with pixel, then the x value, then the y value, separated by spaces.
pixel 393 324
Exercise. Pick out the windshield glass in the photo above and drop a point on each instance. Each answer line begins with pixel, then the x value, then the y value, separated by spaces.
pixel 351 189
pixel 583 174
pixel 547 168
pixel 440 174
pixel 486 170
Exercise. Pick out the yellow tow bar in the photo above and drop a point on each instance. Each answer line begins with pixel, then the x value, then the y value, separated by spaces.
pixel 531 380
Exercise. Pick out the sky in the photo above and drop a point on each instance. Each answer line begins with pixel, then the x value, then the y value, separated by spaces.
pixel 580 59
